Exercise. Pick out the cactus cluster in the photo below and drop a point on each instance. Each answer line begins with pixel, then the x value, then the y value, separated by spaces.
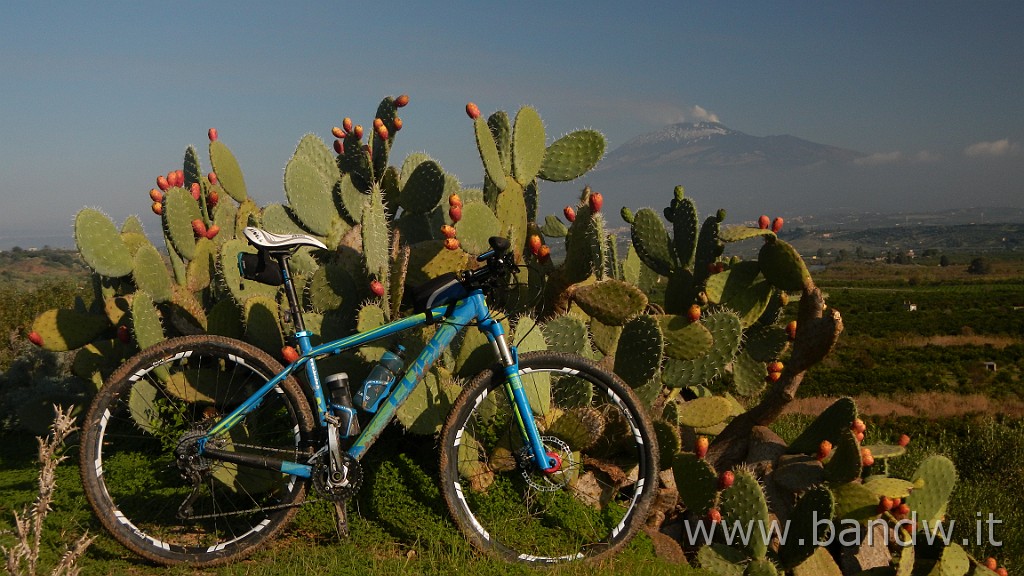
pixel 813 489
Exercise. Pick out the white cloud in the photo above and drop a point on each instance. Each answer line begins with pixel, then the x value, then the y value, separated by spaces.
pixel 997 148
pixel 702 115
pixel 693 114
pixel 880 158
pixel 897 157
pixel 926 157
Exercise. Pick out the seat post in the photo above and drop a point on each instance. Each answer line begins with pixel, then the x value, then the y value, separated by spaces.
pixel 289 290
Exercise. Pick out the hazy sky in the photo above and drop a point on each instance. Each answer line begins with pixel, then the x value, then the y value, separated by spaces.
pixel 97 99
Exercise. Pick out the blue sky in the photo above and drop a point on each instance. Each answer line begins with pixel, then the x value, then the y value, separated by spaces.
pixel 96 100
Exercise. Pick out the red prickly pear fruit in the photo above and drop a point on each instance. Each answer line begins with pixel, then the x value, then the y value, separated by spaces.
pixel 156 195
pixel 701 447
pixel 866 458
pixel 885 504
pixel 777 224
pixel 212 198
pixel 158 208
pixel 358 131
pixel 346 125
pixel 904 440
pixel 162 183
pixel 544 253
pixel 472 110
pixel 693 313
pixel 903 509
pixel 402 101
pixel 290 354
pixel 212 177
pixel 535 243
pixel 791 330
pixel 339 147
pixel 858 425
pixel 35 338
pixel 397 123
pixel 775 366
pixel 199 227
pixel 212 134
pixel 714 516
pixel 337 132
pixel 451 243
pixel 773 376
pixel 382 132
pixel 123 334
pixel 179 176
pixel 196 191
pixel 455 213
pixel 991 563
pixel 596 201
pixel 454 200
pixel 725 479
pixel 377 123
pixel 763 222
pixel 859 436
pixel 1002 571
pixel 212 232
pixel 570 213
pixel 448 230
pixel 824 450
pixel 377 288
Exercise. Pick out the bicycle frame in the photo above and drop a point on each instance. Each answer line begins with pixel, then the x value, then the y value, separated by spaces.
pixel 472 308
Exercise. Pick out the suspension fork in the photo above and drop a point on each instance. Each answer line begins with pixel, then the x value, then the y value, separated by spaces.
pixel 509 358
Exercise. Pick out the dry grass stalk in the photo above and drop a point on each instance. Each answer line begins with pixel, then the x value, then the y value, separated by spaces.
pixel 23 558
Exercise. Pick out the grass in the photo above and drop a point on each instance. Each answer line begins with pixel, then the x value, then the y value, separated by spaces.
pixel 398 525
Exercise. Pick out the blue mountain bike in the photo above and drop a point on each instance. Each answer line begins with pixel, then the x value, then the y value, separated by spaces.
pixel 200 449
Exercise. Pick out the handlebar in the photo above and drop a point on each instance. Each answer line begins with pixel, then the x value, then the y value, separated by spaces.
pixel 500 264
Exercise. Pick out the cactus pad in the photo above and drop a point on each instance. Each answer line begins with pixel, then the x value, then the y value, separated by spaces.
pixel 739 232
pixel 742 289
pixel 782 266
pixel 310 195
pixel 684 340
pixel 527 145
pixel 651 241
pixel 489 154
pixel 744 502
pixel 180 210
pixel 829 425
pixel 697 483
pixel 100 244
pixel 638 356
pixel 68 329
pixel 229 174
pixel 424 188
pixel 891 487
pixel 938 475
pixel 146 325
pixel 845 464
pixel 704 412
pixel 478 224
pixel 426 407
pixel 855 502
pixel 610 302
pixel 572 156
pixel 722 560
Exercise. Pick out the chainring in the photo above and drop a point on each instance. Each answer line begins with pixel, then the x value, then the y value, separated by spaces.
pixel 336 487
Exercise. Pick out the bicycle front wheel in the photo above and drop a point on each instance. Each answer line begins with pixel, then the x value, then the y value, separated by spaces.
pixel 600 493
pixel 138 462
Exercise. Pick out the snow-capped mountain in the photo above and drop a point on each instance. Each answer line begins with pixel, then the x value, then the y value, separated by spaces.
pixel 711 144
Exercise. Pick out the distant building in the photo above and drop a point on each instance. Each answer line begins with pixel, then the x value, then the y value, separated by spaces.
pixel 909 306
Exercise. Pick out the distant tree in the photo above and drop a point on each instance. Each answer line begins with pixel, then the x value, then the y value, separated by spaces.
pixel 930 252
pixel 944 260
pixel 979 265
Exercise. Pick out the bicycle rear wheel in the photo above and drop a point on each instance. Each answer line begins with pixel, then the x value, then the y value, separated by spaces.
pixel 607 478
pixel 137 461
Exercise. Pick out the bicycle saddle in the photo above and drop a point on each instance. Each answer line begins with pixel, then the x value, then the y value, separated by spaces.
pixel 271 241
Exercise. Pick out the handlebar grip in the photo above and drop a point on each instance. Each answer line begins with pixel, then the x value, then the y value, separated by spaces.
pixel 499 246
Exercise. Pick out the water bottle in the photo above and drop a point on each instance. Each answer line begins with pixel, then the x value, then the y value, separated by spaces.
pixel 379 382
pixel 340 400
